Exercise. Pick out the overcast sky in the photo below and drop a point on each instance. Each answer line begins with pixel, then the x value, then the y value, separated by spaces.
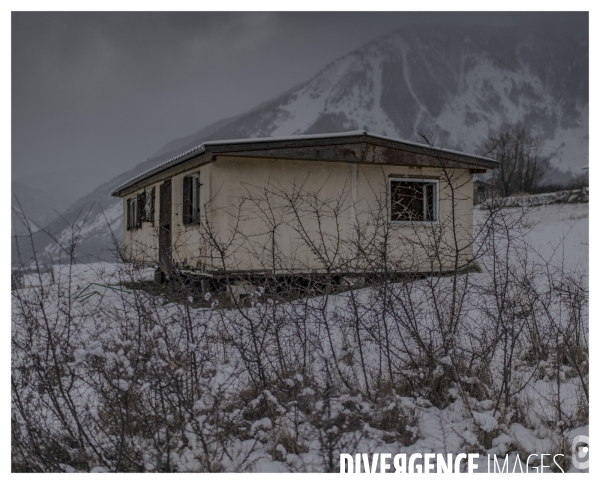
pixel 94 94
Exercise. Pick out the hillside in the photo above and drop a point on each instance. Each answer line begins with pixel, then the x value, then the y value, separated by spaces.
pixel 39 208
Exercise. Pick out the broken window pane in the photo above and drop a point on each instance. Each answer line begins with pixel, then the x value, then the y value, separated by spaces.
pixel 413 201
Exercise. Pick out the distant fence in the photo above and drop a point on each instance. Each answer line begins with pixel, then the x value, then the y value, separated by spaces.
pixel 527 200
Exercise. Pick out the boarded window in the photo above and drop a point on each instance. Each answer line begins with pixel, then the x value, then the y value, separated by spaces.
pixel 191 199
pixel 413 200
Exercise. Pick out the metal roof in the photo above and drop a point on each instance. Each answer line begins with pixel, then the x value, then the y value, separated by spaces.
pixel 210 145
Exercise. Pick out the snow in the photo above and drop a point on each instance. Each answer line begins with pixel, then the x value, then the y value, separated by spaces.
pixel 559 235
pixel 82 275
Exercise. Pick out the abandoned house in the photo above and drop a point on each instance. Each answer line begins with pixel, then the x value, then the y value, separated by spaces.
pixel 303 204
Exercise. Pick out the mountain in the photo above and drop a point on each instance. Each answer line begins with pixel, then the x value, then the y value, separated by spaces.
pixel 32 208
pixel 460 81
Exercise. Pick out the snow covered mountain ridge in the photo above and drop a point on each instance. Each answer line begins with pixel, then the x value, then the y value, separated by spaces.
pixel 458 81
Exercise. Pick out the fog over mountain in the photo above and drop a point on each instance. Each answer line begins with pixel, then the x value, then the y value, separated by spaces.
pixel 39 207
pixel 460 81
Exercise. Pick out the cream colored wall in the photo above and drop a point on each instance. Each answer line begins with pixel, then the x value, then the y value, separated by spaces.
pixel 357 188
pixel 420 247
pixel 187 240
pixel 235 179
pixel 141 245
pixel 234 203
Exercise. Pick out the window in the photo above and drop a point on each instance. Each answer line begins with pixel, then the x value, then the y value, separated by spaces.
pixel 413 200
pixel 149 206
pixel 191 199
pixel 140 204
pixel 133 218
pixel 140 208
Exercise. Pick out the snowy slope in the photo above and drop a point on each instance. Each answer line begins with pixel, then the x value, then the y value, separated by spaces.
pixel 457 81
pixel 32 207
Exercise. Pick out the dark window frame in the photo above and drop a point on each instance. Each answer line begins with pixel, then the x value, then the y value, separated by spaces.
pixel 137 212
pixel 430 204
pixel 191 199
pixel 133 212
pixel 128 212
pixel 141 214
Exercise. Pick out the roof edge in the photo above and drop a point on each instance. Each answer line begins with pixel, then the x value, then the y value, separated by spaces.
pixel 205 147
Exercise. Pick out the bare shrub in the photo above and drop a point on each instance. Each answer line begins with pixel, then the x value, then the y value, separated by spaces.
pixel 291 368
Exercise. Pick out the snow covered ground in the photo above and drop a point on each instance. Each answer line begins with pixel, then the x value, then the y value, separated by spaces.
pixel 558 235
